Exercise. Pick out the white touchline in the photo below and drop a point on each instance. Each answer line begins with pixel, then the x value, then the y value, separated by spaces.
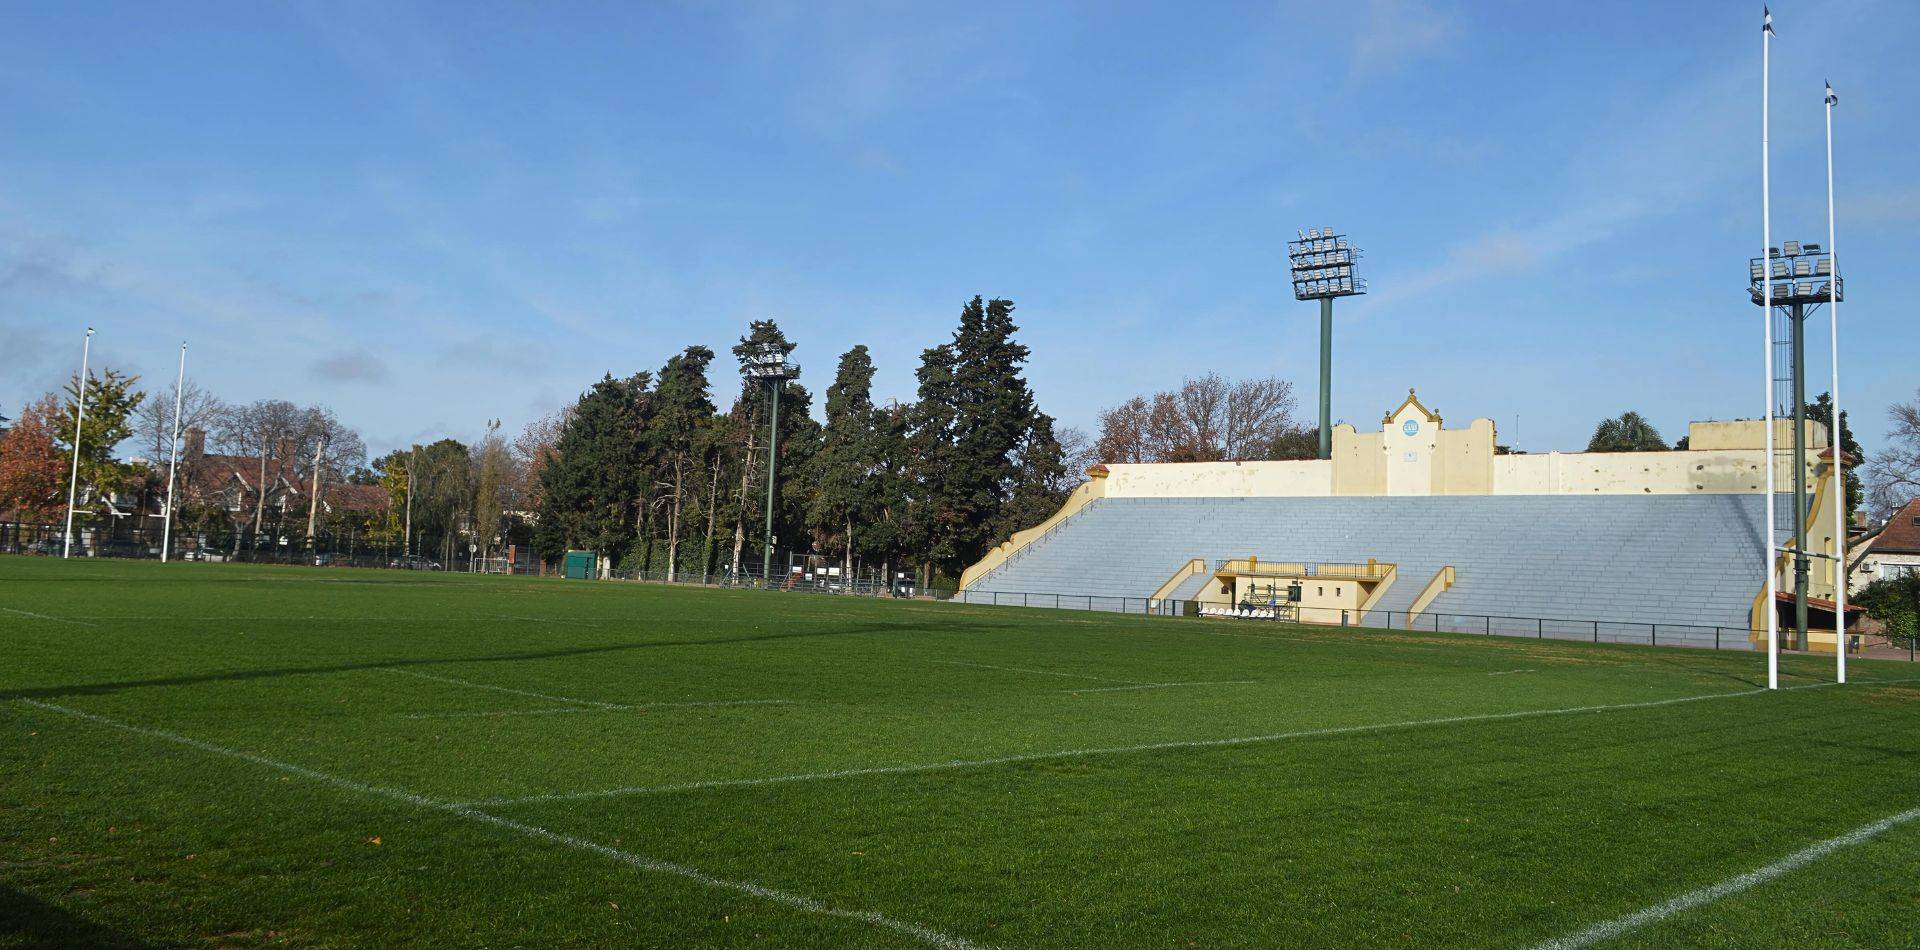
pixel 1511 672
pixel 638 861
pixel 500 689
pixel 1017 669
pixel 1115 750
pixel 29 613
pixel 1607 930
pixel 1116 689
pixel 562 710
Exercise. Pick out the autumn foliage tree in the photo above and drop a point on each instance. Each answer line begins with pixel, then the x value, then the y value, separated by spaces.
pixel 32 469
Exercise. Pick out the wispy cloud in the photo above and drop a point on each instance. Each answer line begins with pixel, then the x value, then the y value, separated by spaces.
pixel 354 365
pixel 1397 32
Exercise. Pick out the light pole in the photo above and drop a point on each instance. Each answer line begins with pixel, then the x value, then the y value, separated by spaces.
pixel 1322 268
pixel 79 417
pixel 768 361
pixel 1798 278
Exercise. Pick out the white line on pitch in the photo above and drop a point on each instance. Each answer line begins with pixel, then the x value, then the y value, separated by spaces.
pixel 1116 689
pixel 1019 669
pixel 1122 750
pixel 501 689
pixel 29 613
pixel 1607 930
pixel 638 861
pixel 1511 672
pixel 562 710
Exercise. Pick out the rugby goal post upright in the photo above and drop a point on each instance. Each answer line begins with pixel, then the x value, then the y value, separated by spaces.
pixel 1833 438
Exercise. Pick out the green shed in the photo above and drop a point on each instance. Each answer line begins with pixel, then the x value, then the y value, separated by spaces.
pixel 579 565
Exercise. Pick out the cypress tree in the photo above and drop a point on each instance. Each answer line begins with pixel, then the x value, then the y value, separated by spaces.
pixel 592 484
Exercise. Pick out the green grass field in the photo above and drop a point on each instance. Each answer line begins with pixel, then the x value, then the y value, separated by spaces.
pixel 230 755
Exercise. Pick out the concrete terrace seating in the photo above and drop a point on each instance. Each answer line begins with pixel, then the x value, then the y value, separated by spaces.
pixel 1621 560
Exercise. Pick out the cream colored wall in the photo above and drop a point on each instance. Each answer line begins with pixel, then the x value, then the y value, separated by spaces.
pixel 1409 456
pixel 1308 479
pixel 1750 434
pixel 1359 462
pixel 1640 473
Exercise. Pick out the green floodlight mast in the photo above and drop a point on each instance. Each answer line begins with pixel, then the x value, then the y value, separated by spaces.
pixel 1800 277
pixel 768 361
pixel 1322 264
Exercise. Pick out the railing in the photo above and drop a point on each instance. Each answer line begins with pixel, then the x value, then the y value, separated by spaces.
pixel 1371 571
pixel 1030 546
pixel 1699 636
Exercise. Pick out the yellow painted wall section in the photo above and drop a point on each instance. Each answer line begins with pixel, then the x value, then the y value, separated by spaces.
pixel 1359 462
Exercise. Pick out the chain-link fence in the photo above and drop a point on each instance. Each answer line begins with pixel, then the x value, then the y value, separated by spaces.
pixel 326 549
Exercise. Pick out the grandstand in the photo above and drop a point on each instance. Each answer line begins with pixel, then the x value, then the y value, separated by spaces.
pixel 1421 525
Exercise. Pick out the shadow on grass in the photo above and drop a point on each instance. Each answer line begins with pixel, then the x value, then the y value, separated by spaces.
pixel 101 689
pixel 28 921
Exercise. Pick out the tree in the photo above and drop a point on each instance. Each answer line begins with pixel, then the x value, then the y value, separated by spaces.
pixel 935 518
pixel 1043 482
pixel 1295 443
pixel 1821 411
pixel 847 489
pixel 33 471
pixel 680 433
pixel 268 433
pixel 1895 602
pixel 328 450
pixel 154 426
pixel 1893 473
pixel 110 405
pixel 591 484
pixel 1207 419
pixel 492 488
pixel 531 450
pixel 1629 432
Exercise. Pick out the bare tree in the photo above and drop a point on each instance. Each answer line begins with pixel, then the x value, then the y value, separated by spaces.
pixel 328 450
pixel 268 431
pixel 153 421
pixel 1893 473
pixel 531 450
pixel 1208 419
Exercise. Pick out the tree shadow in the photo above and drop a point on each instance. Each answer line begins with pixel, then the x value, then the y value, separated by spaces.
pixel 101 689
pixel 28 921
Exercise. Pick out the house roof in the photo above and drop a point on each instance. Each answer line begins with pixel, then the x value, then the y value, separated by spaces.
pixel 1902 534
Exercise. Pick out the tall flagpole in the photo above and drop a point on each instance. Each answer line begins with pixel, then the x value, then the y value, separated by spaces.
pixel 1839 454
pixel 179 388
pixel 73 481
pixel 1766 308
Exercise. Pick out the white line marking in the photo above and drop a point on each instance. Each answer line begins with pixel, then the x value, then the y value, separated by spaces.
pixel 638 861
pixel 1017 669
pixel 1114 750
pixel 501 689
pixel 1116 689
pixel 1511 672
pixel 1607 930
pixel 584 709
pixel 29 613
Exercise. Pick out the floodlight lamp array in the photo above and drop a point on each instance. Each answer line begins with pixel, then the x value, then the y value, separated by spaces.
pixel 1801 274
pixel 769 361
pixel 1322 263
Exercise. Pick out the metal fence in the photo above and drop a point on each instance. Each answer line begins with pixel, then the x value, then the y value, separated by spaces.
pixel 1539 628
pixel 326 550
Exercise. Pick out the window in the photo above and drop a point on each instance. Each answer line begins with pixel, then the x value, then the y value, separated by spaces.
pixel 1893 571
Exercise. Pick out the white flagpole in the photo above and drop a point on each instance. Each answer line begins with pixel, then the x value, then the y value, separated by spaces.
pixel 1833 438
pixel 179 388
pixel 1766 309
pixel 73 481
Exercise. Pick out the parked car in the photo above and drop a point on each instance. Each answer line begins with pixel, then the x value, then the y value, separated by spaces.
pixel 414 562
pixel 45 546
pixel 121 547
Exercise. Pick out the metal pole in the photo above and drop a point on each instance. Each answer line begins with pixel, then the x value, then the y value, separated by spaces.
pixel 1766 308
pixel 1833 438
pixel 773 458
pixel 179 387
pixel 1326 377
pixel 80 416
pixel 1798 337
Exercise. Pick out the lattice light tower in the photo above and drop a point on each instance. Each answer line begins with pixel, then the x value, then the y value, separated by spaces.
pixel 768 361
pixel 1801 277
pixel 1322 264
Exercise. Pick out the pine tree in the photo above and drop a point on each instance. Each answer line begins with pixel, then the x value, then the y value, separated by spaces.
pixel 935 516
pixel 591 486
pixel 1821 411
pixel 846 471
pixel 110 404
pixel 680 432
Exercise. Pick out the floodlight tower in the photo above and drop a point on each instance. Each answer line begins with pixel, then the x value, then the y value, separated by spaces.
pixel 1800 278
pixel 1322 264
pixel 768 361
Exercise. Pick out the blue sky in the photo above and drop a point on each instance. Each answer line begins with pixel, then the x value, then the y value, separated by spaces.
pixel 431 215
